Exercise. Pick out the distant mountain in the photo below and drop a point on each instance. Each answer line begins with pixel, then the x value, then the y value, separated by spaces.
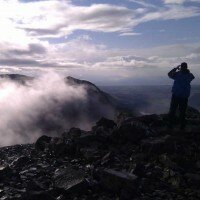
pixel 73 81
pixel 93 91
pixel 17 78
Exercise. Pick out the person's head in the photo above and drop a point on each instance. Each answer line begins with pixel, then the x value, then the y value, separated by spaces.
pixel 184 66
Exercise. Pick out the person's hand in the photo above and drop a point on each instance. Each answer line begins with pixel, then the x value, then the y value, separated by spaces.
pixel 178 67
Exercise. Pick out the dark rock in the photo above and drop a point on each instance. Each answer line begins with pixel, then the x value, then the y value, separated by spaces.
pixel 198 164
pixel 167 162
pixel 5 171
pixel 109 157
pixel 145 185
pixel 157 145
pixel 100 130
pixel 61 197
pixel 122 116
pixel 133 130
pixel 42 142
pixel 70 180
pixel 126 194
pixel 141 169
pixel 192 113
pixel 151 120
pixel 90 154
pixel 57 146
pixel 116 181
pixel 20 162
pixel 193 179
pixel 106 123
pixel 89 138
pixel 39 195
pixel 72 134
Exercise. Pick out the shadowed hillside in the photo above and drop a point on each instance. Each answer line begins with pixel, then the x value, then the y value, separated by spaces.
pixel 131 158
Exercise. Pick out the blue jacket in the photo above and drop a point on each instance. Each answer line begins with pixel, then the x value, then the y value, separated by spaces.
pixel 182 80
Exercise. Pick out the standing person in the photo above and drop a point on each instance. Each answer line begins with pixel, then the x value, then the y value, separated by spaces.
pixel 180 93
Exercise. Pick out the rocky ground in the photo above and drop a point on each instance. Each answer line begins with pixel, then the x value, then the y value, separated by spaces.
pixel 132 158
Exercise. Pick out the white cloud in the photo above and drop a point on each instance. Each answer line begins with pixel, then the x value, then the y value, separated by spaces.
pixel 27 27
pixel 109 65
pixel 170 12
pixel 130 34
pixel 143 3
pixel 59 18
pixel 43 19
pixel 174 1
pixel 179 1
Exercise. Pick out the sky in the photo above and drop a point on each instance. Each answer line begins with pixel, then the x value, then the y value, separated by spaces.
pixel 108 42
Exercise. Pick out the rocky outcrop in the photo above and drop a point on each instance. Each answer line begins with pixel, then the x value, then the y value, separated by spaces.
pixel 133 158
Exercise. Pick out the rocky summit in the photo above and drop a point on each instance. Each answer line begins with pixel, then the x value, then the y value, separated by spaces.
pixel 126 159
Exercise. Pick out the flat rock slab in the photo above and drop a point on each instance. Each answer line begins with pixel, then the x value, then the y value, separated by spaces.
pixel 116 181
pixel 70 180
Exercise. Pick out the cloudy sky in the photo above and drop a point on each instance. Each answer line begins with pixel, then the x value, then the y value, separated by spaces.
pixel 109 42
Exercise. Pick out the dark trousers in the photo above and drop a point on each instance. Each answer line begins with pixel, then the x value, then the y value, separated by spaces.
pixel 181 104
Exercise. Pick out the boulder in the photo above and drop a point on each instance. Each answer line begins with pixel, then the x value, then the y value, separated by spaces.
pixel 70 180
pixel 42 142
pixel 106 123
pixel 57 146
pixel 72 134
pixel 133 130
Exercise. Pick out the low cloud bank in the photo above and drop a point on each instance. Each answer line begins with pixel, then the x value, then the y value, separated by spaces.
pixel 46 105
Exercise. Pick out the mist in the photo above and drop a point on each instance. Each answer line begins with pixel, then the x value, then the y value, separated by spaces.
pixel 46 105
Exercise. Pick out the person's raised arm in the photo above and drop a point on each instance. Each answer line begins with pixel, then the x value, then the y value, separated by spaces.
pixel 172 73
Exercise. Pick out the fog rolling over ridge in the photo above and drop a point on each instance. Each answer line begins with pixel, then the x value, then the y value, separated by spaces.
pixel 47 105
